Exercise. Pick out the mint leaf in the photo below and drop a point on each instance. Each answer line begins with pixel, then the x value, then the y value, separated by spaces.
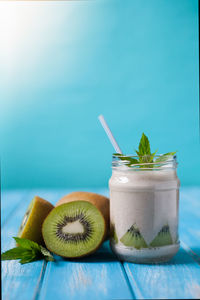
pixel 27 244
pixel 164 157
pixel 26 260
pixel 144 152
pixel 145 157
pixel 27 251
pixel 15 253
pixel 127 158
pixel 144 146
pixel 46 254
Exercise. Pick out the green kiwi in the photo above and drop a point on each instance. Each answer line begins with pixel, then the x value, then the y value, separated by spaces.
pixel 113 233
pixel 115 237
pixel 163 237
pixel 100 201
pixel 74 229
pixel 31 226
pixel 133 238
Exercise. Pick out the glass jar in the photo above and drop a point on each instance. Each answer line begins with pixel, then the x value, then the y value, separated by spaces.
pixel 144 201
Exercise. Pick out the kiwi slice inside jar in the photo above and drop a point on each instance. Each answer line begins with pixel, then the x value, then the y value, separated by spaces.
pixel 74 229
pixel 133 238
pixel 31 225
pixel 163 237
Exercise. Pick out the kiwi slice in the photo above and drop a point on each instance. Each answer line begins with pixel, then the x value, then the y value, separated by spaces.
pixel 115 237
pixel 163 237
pixel 74 229
pixel 31 226
pixel 133 238
pixel 113 234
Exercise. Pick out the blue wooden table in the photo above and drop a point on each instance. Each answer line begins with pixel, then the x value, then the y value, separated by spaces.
pixel 101 276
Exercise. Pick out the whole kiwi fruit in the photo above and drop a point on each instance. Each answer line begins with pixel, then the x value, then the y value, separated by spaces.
pixel 100 201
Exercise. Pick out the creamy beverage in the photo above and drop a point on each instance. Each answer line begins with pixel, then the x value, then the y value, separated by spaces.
pixel 144 209
pixel 144 200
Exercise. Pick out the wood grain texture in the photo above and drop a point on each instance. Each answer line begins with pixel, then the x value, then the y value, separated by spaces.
pixel 10 200
pixel 19 281
pixel 101 275
pixel 189 220
pixel 177 279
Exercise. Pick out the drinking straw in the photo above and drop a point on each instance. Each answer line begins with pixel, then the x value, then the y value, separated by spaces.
pixel 109 134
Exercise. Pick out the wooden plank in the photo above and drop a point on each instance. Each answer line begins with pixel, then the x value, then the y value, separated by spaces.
pixel 20 281
pixel 10 200
pixel 190 219
pixel 99 276
pixel 178 279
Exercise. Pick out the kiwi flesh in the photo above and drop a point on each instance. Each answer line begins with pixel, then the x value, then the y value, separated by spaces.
pixel 100 201
pixel 74 229
pixel 31 226
pixel 133 238
pixel 163 237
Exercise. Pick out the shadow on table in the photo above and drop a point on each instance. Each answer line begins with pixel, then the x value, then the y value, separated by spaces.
pixel 104 254
pixel 183 257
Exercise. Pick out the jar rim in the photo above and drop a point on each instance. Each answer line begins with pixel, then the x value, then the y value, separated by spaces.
pixel 159 161
pixel 136 156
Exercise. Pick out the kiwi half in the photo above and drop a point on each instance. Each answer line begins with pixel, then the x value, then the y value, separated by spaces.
pixel 133 238
pixel 74 229
pixel 100 201
pixel 163 237
pixel 31 226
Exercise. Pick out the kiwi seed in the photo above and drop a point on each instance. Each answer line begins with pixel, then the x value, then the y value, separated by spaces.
pixel 133 238
pixel 78 236
pixel 163 237
pixel 74 229
pixel 100 201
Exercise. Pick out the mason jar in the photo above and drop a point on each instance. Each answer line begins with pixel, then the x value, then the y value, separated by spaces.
pixel 144 204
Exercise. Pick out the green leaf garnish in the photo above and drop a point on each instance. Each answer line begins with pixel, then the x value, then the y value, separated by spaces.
pixel 15 253
pixel 144 155
pixel 144 146
pixel 27 244
pixel 27 251
pixel 127 158
pixel 164 157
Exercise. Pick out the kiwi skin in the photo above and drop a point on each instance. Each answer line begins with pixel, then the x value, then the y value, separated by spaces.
pixel 100 201
pixel 76 257
pixel 33 227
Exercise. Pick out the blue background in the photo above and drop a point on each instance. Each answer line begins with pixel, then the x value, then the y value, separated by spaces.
pixel 62 64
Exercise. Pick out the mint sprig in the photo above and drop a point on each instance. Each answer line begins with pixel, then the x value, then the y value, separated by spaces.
pixel 164 157
pixel 130 160
pixel 144 155
pixel 144 146
pixel 144 151
pixel 27 251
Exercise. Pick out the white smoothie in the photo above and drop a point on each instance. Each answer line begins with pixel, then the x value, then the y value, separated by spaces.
pixel 145 201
